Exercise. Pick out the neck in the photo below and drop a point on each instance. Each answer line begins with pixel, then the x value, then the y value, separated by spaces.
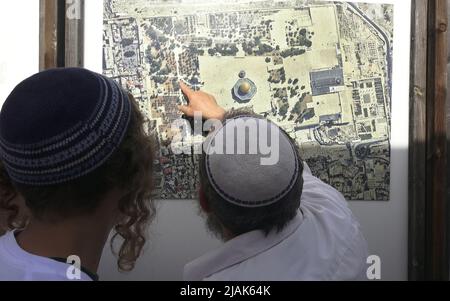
pixel 84 237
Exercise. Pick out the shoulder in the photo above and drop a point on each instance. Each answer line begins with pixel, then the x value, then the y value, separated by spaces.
pixel 10 266
pixel 18 265
pixel 352 263
pixel 323 201
pixel 328 211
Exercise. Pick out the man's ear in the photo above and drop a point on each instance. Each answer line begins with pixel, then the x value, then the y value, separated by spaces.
pixel 203 201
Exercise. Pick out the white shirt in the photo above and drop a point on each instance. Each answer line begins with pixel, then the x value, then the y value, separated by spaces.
pixel 18 265
pixel 323 242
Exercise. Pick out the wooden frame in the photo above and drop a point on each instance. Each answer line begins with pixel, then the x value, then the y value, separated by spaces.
pixel 74 36
pixel 48 39
pixel 436 211
pixel 428 210
pixel 417 179
pixel 61 38
pixel 428 256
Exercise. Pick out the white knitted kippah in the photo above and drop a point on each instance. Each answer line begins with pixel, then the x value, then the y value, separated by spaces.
pixel 236 167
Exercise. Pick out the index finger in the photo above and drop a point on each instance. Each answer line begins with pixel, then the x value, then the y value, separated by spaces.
pixel 185 89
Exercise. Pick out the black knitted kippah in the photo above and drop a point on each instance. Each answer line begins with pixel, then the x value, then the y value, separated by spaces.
pixel 61 124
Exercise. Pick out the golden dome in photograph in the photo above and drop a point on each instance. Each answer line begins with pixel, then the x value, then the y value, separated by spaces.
pixel 245 88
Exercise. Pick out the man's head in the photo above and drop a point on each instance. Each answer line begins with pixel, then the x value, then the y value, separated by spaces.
pixel 240 194
pixel 73 143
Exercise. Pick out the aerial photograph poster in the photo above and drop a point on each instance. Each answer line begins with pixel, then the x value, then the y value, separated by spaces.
pixel 321 70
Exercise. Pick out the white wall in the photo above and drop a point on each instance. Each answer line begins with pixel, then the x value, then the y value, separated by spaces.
pixel 19 51
pixel 179 234
pixel 177 237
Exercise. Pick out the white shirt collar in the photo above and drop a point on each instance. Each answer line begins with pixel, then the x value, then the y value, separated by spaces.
pixel 238 250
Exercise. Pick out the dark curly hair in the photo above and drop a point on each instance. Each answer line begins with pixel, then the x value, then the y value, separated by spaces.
pixel 129 169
